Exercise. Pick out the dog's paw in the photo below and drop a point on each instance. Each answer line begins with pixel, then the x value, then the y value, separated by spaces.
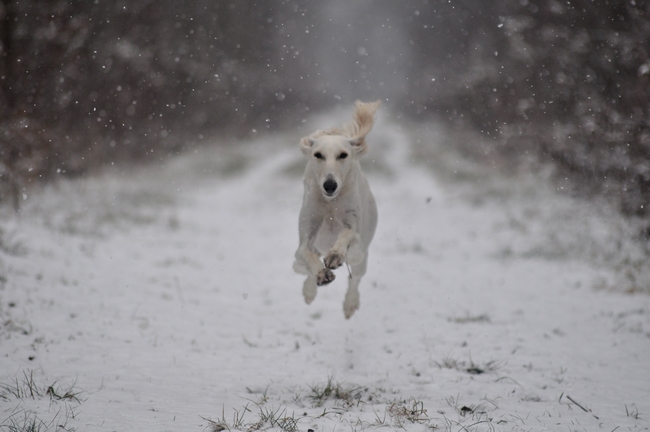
pixel 334 260
pixel 324 277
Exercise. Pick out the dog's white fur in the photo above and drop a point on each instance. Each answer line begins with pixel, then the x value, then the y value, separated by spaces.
pixel 339 215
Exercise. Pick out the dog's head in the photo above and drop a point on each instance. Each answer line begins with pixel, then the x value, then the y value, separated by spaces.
pixel 333 153
pixel 330 160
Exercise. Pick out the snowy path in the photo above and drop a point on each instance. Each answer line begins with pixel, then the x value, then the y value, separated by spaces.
pixel 166 297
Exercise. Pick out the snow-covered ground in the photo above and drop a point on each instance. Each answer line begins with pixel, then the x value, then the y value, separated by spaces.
pixel 163 299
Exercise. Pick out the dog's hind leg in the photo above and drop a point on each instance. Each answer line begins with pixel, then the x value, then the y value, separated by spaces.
pixel 309 289
pixel 352 300
pixel 356 252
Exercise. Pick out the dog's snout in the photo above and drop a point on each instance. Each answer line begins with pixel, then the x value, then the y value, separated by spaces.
pixel 330 186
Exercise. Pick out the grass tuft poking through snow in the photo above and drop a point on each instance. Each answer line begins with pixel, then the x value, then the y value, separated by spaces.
pixel 31 407
pixel 470 367
pixel 266 418
pixel 408 411
pixel 319 394
pixel 323 406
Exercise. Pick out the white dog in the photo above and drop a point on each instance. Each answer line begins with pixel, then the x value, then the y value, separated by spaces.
pixel 339 215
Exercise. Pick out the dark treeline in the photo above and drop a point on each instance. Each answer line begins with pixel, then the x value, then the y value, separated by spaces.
pixel 564 81
pixel 89 83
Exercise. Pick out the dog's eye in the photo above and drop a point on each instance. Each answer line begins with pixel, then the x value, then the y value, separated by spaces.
pixel 343 155
pixel 318 155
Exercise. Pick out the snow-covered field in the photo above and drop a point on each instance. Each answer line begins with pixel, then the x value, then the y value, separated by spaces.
pixel 163 299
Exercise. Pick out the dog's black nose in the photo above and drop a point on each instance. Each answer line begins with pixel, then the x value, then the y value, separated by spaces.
pixel 329 186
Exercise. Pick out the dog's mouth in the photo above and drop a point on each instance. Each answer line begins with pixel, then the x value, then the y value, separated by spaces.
pixel 330 187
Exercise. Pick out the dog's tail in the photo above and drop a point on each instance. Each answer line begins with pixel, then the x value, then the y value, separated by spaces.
pixel 362 121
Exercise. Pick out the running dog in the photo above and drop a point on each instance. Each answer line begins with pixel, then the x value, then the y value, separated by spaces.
pixel 339 215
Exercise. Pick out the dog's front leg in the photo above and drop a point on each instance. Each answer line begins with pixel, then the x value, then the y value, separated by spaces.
pixel 307 259
pixel 337 255
pixel 308 262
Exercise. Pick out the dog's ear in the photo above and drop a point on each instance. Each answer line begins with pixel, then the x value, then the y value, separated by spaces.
pixel 307 142
pixel 359 146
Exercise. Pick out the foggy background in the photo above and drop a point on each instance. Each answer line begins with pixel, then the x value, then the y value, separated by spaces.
pixel 88 84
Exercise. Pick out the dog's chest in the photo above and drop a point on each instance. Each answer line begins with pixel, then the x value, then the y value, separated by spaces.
pixel 327 234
